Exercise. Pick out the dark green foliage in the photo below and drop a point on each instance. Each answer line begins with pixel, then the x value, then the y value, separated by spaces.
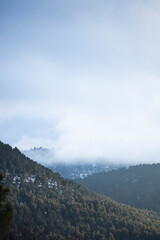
pixel 6 213
pixel 137 186
pixel 46 206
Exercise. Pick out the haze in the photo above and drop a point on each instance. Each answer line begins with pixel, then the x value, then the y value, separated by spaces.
pixel 81 77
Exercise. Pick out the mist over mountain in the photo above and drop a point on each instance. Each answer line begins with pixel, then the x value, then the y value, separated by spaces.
pixel 83 78
pixel 41 155
pixel 73 169
pixel 80 99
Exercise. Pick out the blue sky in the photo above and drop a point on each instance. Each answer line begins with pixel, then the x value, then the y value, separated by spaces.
pixel 81 77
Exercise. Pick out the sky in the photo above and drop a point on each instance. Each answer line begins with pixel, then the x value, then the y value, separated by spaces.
pixel 81 78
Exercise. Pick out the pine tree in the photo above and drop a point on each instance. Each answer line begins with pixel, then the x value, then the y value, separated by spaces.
pixel 6 212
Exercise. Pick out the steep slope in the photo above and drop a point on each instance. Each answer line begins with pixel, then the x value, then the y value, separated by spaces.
pixel 46 206
pixel 137 186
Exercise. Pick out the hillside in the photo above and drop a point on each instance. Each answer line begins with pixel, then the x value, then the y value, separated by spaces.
pixel 46 206
pixel 137 186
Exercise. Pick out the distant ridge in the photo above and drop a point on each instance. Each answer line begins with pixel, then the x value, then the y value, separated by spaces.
pixel 138 186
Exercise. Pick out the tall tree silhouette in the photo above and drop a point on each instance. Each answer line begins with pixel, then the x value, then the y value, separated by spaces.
pixel 6 212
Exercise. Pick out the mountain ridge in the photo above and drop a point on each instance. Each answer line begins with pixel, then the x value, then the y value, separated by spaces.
pixel 47 206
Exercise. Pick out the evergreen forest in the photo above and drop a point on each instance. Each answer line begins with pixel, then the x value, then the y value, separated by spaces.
pixel 137 186
pixel 47 206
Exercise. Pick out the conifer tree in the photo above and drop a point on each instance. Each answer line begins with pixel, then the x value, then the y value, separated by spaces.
pixel 6 212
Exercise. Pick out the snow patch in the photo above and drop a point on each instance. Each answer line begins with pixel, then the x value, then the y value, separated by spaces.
pixel 15 179
pixel 30 179
pixel 52 184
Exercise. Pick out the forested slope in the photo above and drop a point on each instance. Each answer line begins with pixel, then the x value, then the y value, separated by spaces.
pixel 138 186
pixel 46 206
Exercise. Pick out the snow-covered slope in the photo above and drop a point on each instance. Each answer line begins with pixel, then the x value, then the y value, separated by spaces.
pixel 79 169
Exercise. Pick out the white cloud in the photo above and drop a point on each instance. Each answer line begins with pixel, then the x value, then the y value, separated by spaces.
pixel 127 138
pixel 95 73
pixel 111 118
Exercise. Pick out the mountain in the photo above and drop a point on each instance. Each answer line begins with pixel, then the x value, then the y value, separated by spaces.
pixel 79 170
pixel 47 206
pixel 72 171
pixel 138 186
